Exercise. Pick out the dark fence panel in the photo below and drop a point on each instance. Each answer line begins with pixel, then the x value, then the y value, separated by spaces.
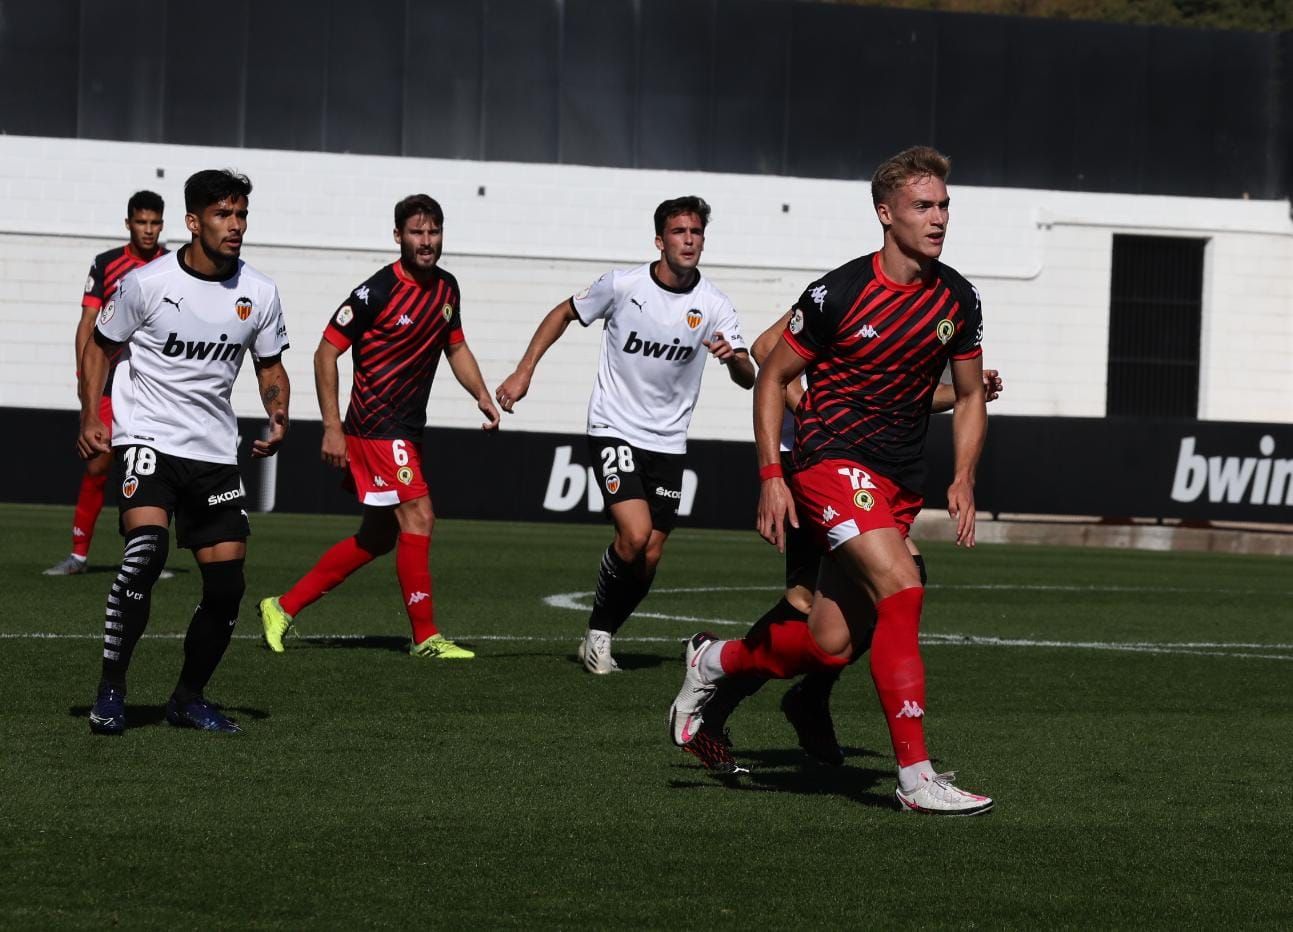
pixel 765 86
pixel 1113 467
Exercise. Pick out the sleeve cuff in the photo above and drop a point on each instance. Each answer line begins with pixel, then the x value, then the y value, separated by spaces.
pixel 798 347
pixel 456 337
pixel 91 302
pixel 977 351
pixel 336 338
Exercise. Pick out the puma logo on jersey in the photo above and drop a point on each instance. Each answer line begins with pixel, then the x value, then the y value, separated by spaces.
pixel 639 304
pixel 673 352
pixel 866 331
pixel 221 351
pixel 166 300
pixel 404 320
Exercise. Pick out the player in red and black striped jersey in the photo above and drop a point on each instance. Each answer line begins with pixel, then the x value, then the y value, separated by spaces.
pixel 874 336
pixel 144 223
pixel 396 326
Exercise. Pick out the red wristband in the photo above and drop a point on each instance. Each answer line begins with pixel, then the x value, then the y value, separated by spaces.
pixel 771 471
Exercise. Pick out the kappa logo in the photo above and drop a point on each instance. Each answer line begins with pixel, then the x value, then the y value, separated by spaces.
pixel 694 317
pixel 405 475
pixel 910 709
pixel 77 532
pixel 362 293
pixel 243 307
pixel 404 320
pixel 945 330
pixel 829 514
pixel 417 597
pixel 129 487
pixel 818 295
pixel 447 311
pixel 379 482
pixel 612 483
pixel 867 332
pixel 345 314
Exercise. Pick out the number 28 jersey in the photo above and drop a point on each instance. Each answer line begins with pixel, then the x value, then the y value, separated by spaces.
pixel 188 335
pixel 653 354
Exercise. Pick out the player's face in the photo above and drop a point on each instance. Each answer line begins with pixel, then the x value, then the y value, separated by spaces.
pixel 917 216
pixel 420 242
pixel 682 242
pixel 145 227
pixel 219 228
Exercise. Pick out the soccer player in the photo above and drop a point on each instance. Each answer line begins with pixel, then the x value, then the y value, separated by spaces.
pixel 806 705
pixel 874 335
pixel 189 319
pixel 396 325
pixel 144 224
pixel 659 319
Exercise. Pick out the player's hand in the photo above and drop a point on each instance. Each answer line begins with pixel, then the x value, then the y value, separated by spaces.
pixel 333 450
pixel 992 385
pixel 487 408
pixel 719 348
pixel 514 388
pixel 776 508
pixel 960 505
pixel 93 438
pixel 277 431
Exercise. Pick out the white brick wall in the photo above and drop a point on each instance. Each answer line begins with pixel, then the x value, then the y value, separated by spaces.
pixel 321 223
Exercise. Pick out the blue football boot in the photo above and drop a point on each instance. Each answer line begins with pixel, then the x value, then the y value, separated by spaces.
pixel 200 714
pixel 108 717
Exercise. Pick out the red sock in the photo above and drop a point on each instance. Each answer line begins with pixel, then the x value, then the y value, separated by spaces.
pixel 777 650
pixel 332 569
pixel 899 673
pixel 89 502
pixel 413 564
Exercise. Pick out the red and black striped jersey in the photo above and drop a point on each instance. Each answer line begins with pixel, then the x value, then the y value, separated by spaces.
pixel 396 328
pixel 876 350
pixel 106 273
pixel 108 270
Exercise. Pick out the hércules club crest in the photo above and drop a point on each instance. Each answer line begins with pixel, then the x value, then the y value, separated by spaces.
pixel 243 307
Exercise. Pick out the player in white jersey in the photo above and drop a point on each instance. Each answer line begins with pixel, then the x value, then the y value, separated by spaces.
pixel 662 320
pixel 189 320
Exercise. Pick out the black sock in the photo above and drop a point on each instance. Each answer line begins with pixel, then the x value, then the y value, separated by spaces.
pixel 619 591
pixel 817 685
pixel 130 598
pixel 212 626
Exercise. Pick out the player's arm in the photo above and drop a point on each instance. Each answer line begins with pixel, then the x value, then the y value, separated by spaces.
pixel 467 371
pixel 766 343
pixel 333 451
pixel 945 393
pixel 275 394
pixel 554 324
pixel 781 367
pixel 85 330
pixel 92 375
pixel 739 368
pixel 969 428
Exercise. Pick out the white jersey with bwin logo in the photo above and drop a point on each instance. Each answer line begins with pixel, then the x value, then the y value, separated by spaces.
pixel 188 335
pixel 653 354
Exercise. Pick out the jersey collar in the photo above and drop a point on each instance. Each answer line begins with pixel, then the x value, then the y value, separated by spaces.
pixel 878 267
pixel 402 274
pixel 179 258
pixel 663 286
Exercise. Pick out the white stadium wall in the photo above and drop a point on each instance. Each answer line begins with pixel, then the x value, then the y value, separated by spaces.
pixel 523 237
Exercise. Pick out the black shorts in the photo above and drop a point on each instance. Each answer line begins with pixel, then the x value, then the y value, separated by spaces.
pixel 628 472
pixel 206 499
pixel 803 555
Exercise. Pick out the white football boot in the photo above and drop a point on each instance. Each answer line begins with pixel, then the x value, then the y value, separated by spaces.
pixel 685 713
pixel 595 653
pixel 937 795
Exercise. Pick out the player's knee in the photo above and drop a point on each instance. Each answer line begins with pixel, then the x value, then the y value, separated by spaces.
pixel 223 585
pixel 631 544
pixel 144 556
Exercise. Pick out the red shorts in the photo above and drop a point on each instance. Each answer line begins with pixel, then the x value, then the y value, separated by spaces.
pixel 385 472
pixel 840 499
pixel 105 412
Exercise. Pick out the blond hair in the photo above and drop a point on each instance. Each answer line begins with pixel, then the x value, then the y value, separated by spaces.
pixel 897 170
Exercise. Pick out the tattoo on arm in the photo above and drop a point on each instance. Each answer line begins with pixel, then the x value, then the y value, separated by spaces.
pixel 271 394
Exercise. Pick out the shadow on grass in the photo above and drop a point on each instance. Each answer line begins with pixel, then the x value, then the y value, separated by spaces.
pixel 352 642
pixel 629 661
pixel 98 569
pixel 141 716
pixel 784 771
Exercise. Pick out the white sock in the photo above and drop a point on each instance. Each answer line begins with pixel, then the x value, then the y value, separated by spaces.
pixel 711 662
pixel 909 776
pixel 78 558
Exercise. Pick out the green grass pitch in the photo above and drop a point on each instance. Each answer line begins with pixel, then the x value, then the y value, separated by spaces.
pixel 1131 712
